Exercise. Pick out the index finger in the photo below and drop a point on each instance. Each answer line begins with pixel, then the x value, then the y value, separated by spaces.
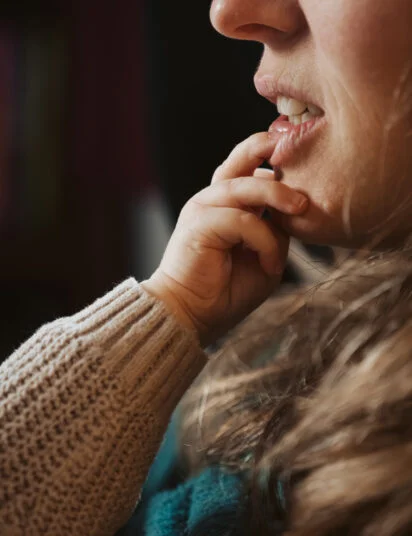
pixel 245 157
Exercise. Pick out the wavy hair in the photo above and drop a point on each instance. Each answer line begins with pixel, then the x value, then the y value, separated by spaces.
pixel 312 398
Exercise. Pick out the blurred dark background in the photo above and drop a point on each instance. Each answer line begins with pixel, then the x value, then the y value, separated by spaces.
pixel 112 114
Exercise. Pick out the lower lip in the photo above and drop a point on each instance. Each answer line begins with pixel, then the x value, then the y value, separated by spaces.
pixel 290 138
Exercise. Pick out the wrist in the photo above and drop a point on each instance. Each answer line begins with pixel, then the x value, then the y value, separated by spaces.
pixel 158 289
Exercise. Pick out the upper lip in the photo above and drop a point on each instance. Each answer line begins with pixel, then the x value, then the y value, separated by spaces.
pixel 270 87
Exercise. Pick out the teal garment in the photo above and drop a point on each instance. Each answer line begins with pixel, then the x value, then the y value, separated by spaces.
pixel 209 505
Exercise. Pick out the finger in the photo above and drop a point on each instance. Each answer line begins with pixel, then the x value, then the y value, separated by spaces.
pixel 267 174
pixel 253 192
pixel 264 173
pixel 228 227
pixel 270 174
pixel 245 157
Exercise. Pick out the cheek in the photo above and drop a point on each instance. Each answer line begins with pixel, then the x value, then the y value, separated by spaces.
pixel 363 45
pixel 353 198
pixel 358 179
pixel 352 191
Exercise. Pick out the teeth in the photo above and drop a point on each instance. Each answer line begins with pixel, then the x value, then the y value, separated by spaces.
pixel 302 118
pixel 298 112
pixel 296 119
pixel 290 107
pixel 307 116
pixel 314 110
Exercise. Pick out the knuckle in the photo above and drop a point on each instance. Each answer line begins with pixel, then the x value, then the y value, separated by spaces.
pixel 255 142
pixel 258 137
pixel 191 210
pixel 195 245
pixel 248 218
pixel 197 198
pixel 187 208
pixel 231 186
pixel 239 146
pixel 238 185
pixel 218 171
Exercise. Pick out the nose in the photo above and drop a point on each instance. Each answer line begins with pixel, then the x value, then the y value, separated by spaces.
pixel 257 20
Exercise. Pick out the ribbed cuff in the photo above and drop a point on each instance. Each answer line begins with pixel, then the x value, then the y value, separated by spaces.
pixel 143 342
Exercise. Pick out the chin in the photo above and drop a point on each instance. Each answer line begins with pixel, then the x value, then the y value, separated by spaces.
pixel 318 229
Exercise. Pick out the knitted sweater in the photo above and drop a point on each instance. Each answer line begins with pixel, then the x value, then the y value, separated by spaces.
pixel 84 405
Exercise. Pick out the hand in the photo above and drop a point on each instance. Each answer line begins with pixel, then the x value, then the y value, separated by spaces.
pixel 223 260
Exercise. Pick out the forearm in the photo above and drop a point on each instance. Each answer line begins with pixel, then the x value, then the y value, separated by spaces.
pixel 83 408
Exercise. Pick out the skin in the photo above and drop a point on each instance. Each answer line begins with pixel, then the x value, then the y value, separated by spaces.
pixel 354 58
pixel 223 260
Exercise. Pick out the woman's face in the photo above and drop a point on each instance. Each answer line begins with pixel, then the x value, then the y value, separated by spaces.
pixel 353 59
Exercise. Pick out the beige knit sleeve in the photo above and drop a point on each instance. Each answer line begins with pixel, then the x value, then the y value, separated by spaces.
pixel 83 407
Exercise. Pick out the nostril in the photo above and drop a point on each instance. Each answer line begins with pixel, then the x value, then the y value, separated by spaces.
pixel 266 21
pixel 258 32
pixel 237 19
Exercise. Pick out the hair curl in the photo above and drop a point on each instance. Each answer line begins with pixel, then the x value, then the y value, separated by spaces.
pixel 322 421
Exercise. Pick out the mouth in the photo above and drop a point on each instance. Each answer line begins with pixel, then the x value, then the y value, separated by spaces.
pixel 298 124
